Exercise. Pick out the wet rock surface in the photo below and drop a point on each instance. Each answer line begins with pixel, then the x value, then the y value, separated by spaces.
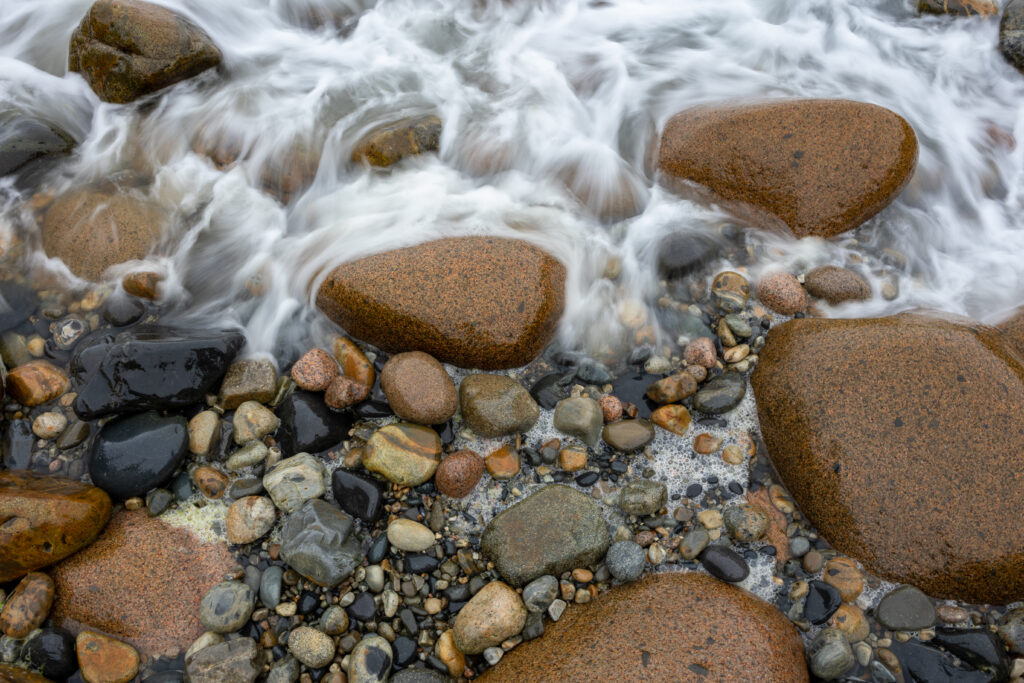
pixel 28 143
pixel 393 142
pixel 308 425
pixel 318 543
pixel 134 454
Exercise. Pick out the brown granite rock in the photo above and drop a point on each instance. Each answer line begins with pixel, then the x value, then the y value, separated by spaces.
pixel 418 388
pixel 820 167
pixel 315 370
pixel 1013 328
pixel 343 392
pixel 836 285
pixel 390 144
pixel 140 582
pixel 129 48
pixel 45 519
pixel 663 628
pixel 91 230
pixel 103 659
pixel 477 302
pixel 964 8
pixel 36 382
pixel 888 432
pixel 28 606
pixel 782 293
pixel 143 284
pixel 459 473
pixel 12 674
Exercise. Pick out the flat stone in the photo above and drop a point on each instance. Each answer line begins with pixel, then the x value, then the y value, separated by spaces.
pixel 134 454
pixel 251 454
pixel 317 542
pixel 906 609
pixel 36 382
pixel 476 302
pixel 404 454
pixel 836 285
pixel 357 494
pixel 833 402
pixel 226 607
pixel 580 417
pixel 628 436
pixel 549 532
pixel 418 388
pixel 721 394
pixel 643 497
pixel 389 144
pixel 295 480
pixel 248 380
pixel 103 659
pixel 724 563
pixel 819 167
pixel 666 627
pixel 233 661
pixel 28 606
pixel 496 405
pixel 495 613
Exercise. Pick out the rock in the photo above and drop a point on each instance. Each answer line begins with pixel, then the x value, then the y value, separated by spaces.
pixel 317 541
pixel 354 363
pixel 249 519
pixel 674 388
pixel 830 654
pixel 819 167
pixel 311 647
pixel 551 531
pixel 294 481
pixel 121 310
pixel 580 417
pixel 36 383
pixel 625 560
pixel 827 458
pixel 539 593
pixel 691 627
pixel 503 462
pixel 836 285
pixel 681 254
pixel 105 660
pixel 693 543
pixel 482 302
pixel 643 497
pixel 315 370
pixel 203 432
pixel 357 494
pixel 906 609
pixel 307 425
pixel 227 607
pixel 1011 33
pixel 746 522
pixel 344 392
pixel 419 676
pixel 495 613
pixel 404 454
pixel 134 454
pixel 210 481
pixel 51 652
pixel 496 405
pixel 628 436
pixel 248 380
pixel 253 421
pixel 46 519
pixel 721 394
pixel 233 661
pixel 729 292
pixel 252 454
pixel 149 366
pixel 410 536
pixel 782 293
pixel 389 144
pixel 14 674
pixel 843 574
pixel 142 580
pixel 674 418
pixel 28 606
pixel 142 284
pixel 28 143
pixel 922 662
pixel 821 602
pixel 370 660
pixel 128 48
pixel 459 473
pixel 724 563
pixel 418 388
pixel 957 7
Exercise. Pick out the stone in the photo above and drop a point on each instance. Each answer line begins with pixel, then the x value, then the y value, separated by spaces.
pixel 551 531
pixel 843 574
pixel 625 560
pixel 643 497
pixel 693 543
pixel 28 144
pixel 370 660
pixel 105 660
pixel 817 166
pixel 419 676
pixel 978 647
pixel 357 494
pixel 495 613
pixel 136 453
pixel 503 462
pixel 210 481
pixel 142 284
pixel 354 363
pixel 721 394
pixel 964 8
pixel 233 661
pixel 308 425
pixel 295 480
pixel 226 607
pixel 837 285
pixel 572 459
pixel 249 519
pixel 248 380
pixel 851 621
pixel 389 144
pixel 681 627
pixel 315 370
pixel 580 417
pixel 821 602
pixel 252 454
pixel 681 254
pixel 203 432
pixel 724 563
pixel 344 392
pixel 1011 34
pixel 418 388
pixel 674 388
pixel 51 652
pixel 782 293
pixel 149 367
pixel 673 418
pixel 475 302
pixel 628 436
pixel 826 442
pixel 45 520
pixel 539 593
pixel 14 674
pixel 496 405
pixel 410 536
pixel 128 48
pixel 729 292
pixel 36 383
pixel 334 621
pixel 905 609
pixel 700 352
pixel 313 648
pixel 830 654
pixel 317 542
pixel 404 454
pixel 706 444
pixel 253 421
pixel 27 607
pixel 746 522
pixel 459 473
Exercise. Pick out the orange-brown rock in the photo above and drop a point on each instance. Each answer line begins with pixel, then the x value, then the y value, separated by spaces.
pixel 142 283
pixel 36 382
pixel 818 167
pixel 354 363
pixel 389 144
pixel 1013 328
pixel 888 432
pixel 958 7
pixel 475 302
pixel 140 582
pixel 210 481
pixel 45 519
pixel 418 388
pixel 503 462
pixel 12 674
pixel 28 606
pixel 675 418
pixel 673 388
pixel 459 473
pixel 663 628
pixel 105 660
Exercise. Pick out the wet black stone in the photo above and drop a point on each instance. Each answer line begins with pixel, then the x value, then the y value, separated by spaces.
pixel 821 602
pixel 318 674
pixel 713 422
pixel 17 302
pixel 357 494
pixel 17 445
pixel 560 476
pixel 51 652
pixel 279 652
pixel 376 405
pixel 978 647
pixel 587 479
pixel 435 661
pixel 531 456
pixel 74 434
pixel 308 425
pixel 631 387
pixel 723 563
pixel 693 490
pixel 149 367
pixel 362 608
pixel 378 550
pixel 619 467
pixel 680 254
pixel 404 650
pixel 457 593
pixel 245 486
pixel 923 664
pixel 409 621
pixel 721 394
pixel 29 146
pixel 446 432
pixel 182 487
pixel 735 487
pixel 308 602
pixel 158 500
pixel 418 563
pixel 134 454
pixel 549 390
pixel 120 309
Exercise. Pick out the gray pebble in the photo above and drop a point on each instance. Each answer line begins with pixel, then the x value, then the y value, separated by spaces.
pixel 270 586
pixel 284 671
pixel 226 607
pixel 539 593
pixel 625 560
pixel 830 654
pixel 906 609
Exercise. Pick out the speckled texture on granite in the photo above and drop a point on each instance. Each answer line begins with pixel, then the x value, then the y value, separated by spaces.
pixel 666 627
pixel 902 440
pixel 820 167
pixel 475 302
pixel 1013 328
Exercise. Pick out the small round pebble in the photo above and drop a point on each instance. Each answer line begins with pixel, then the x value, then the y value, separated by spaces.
pixel 315 370
pixel 611 407
pixel 459 473
pixel 49 425
pixel 311 647
pixel 700 352
pixel 782 293
pixel 625 560
pixel 334 621
pixel 211 482
pixel 410 536
pixel 344 392
pixel 250 518
pixel 226 607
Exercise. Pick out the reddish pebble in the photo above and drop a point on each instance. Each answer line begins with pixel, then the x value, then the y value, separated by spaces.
pixel 699 372
pixel 503 463
pixel 212 483
pixel 459 473
pixel 344 392
pixel 611 407
pixel 143 284
pixel 315 370
pixel 28 606
pixel 782 293
pixel 700 352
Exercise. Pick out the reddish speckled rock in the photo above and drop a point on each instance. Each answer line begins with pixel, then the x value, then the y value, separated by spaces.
pixel 820 167
pixel 782 293
pixel 1013 328
pixel 315 370
pixel 888 432
pixel 836 285
pixel 418 388
pixel 459 473
pixel 665 628
pixel 475 302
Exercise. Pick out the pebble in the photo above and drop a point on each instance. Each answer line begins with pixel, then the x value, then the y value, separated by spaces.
pixel 732 455
pixel 249 519
pixel 310 646
pixel 295 480
pixel 746 522
pixel 657 365
pixel 821 602
pixel 49 425
pixel 593 372
pixel 643 497
pixel 226 607
pixel 409 536
pixel 721 394
pixel 706 444
pixel 905 609
pixel 371 660
pixel 136 453
pixel 736 353
pixel 36 383
pixel 724 563
pixel 203 432
pixel 157 501
pixel 233 660
pixel 105 660
pixel 317 542
pixel 693 543
pixel 710 519
pixel 503 463
pixel 851 621
pixel 701 352
pixel 611 407
pixel 28 605
pixel 496 405
pixel 782 293
pixel 315 370
pixel 375 575
pixel 418 388
pixel 253 421
pixel 539 593
pixel 625 560
pixel 799 546
pixel 285 671
pixel 449 654
pixel 459 473
pixel 495 613
pixel 674 418
pixel 207 639
pixel 836 285
pixel 248 380
pixel 73 435
pixel 580 417
pixel 830 654
pixel 738 325
pixel 403 453
pixel 673 388
pixel 572 459
pixel 557 608
pixel 251 454
pixel 730 291
pixel 211 482
pixel 845 576
pixel 51 652
pixel 270 586
pixel 493 655
pixel 344 392
pixel 628 436
pixel 334 621
pixel 952 614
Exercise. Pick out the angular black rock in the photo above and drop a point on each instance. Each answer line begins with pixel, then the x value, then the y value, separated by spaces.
pixel 308 425
pixel 405 651
pixel 359 495
pixel 979 647
pixel 549 390
pixel 136 453
pixel 723 563
pixel 923 664
pixel 362 608
pixel 52 653
pixel 821 602
pixel 149 367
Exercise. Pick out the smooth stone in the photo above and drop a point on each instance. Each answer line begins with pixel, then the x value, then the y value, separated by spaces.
pixel 746 522
pixel 317 542
pixel 1011 34
pixel 495 613
pixel 625 560
pixel 724 563
pixel 404 454
pixel 496 405
pixel 28 606
pixel 226 607
pixel 919 662
pixel 694 542
pixel 979 647
pixel 474 302
pixel 906 609
pixel 149 366
pixel 681 254
pixel 781 292
pixel 388 144
pixel 410 536
pixel 251 454
pixel 210 481
pixel 121 310
pixel 580 417
pixel 593 372
pixel 233 661
pixel 249 519
pixel 16 444
pixel 817 166
pixel 666 627
pixel 203 433
pixel 643 497
pixel 821 602
pixel 311 647
pixel 418 388
pixel 104 660
pixel 370 660
pixel 284 671
pixel 252 421
pixel 270 586
pixel 315 370
pixel 295 480
pixel 357 494
pixel 836 285
pixel 681 324
pixel 27 143
pixel 721 394
pixel 540 593
pixel 420 676
pixel 553 530
pixel 134 454
pixel 628 436
pixel 308 425
pixel 247 380
pixel 36 383
pixel 51 652
pixel 830 654
pixel 334 621
pixel 459 473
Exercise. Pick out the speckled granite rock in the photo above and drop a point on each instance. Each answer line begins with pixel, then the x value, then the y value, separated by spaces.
pixel 888 432
pixel 1013 328
pixel 476 302
pixel 820 167
pixel 389 144
pixel 666 627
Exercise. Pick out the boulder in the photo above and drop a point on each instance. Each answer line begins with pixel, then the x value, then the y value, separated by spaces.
pixel 389 144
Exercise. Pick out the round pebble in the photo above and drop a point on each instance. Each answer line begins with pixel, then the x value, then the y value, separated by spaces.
pixel 700 352
pixel 315 370
pixel 625 560
pixel 49 425
pixel 410 536
pixel 459 473
pixel 782 293
pixel 249 519
pixel 311 647
pixel 226 607
pixel 418 388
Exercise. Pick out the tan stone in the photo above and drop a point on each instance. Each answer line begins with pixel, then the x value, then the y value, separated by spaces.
pixel 105 660
pixel 36 382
